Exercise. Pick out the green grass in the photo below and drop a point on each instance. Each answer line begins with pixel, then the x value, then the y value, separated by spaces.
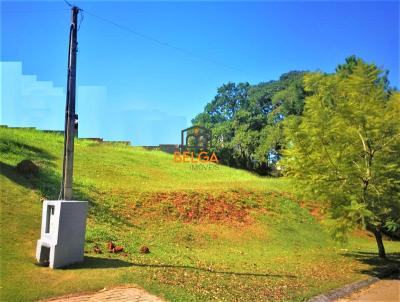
pixel 219 234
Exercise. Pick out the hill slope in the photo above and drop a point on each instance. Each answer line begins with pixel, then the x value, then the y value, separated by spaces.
pixel 216 234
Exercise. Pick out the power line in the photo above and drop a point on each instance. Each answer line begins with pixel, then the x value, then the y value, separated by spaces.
pixel 69 4
pixel 131 31
pixel 165 44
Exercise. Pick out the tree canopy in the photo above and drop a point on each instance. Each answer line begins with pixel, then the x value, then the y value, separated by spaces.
pixel 246 120
pixel 337 134
pixel 344 149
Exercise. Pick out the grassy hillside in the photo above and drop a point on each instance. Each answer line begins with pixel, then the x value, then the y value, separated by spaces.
pixel 218 234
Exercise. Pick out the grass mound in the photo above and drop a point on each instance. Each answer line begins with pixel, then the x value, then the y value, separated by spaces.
pixel 208 240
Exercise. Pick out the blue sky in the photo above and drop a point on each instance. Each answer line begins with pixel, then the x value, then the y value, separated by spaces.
pixel 131 88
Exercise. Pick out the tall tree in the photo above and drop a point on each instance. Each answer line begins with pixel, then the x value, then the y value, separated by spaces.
pixel 246 120
pixel 345 147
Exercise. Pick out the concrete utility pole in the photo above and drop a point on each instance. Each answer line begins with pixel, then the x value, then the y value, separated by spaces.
pixel 62 236
pixel 70 116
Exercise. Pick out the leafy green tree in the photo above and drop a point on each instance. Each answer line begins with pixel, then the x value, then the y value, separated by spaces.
pixel 285 102
pixel 344 149
pixel 246 120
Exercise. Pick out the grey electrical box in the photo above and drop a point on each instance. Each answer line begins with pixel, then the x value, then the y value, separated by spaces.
pixel 62 236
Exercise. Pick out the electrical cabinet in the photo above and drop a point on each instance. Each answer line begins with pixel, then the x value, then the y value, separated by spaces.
pixel 62 235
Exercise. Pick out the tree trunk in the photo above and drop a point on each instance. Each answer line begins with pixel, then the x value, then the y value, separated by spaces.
pixel 378 236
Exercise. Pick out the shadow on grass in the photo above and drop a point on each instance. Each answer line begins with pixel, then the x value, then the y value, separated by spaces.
pixel 378 267
pixel 187 267
pixel 48 181
pixel 11 173
pixel 98 262
pixel 25 151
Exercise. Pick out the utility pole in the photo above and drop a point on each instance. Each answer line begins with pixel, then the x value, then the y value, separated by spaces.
pixel 62 236
pixel 70 116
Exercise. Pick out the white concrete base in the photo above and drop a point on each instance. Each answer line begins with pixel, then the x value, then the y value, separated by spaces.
pixel 63 232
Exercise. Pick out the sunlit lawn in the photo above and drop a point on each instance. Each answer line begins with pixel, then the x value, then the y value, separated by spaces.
pixel 220 234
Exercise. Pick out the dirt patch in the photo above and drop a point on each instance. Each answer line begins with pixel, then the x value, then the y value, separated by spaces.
pixel 203 207
pixel 315 209
pixel 234 207
pixel 228 207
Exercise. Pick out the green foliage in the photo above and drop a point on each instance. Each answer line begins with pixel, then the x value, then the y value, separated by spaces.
pixel 344 149
pixel 246 120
